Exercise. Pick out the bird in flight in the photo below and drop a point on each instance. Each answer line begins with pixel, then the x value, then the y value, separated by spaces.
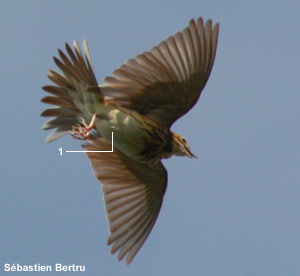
pixel 138 103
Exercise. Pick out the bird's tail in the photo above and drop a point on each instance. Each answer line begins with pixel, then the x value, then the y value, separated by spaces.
pixel 74 92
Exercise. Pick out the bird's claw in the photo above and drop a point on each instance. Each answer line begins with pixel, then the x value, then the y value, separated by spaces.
pixel 83 132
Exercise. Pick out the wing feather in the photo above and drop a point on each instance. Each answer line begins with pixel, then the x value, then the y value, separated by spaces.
pixel 166 82
pixel 133 194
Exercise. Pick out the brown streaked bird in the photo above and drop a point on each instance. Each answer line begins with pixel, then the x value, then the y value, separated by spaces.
pixel 138 103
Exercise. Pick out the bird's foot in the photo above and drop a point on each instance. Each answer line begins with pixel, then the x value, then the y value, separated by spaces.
pixel 83 132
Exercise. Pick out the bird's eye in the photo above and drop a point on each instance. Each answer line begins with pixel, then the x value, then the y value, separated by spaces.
pixel 183 140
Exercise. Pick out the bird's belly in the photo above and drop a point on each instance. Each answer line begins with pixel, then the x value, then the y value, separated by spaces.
pixel 133 134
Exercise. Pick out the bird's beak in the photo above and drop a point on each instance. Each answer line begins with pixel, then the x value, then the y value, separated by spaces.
pixel 189 154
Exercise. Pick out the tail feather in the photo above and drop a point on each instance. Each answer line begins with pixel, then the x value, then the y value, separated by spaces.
pixel 59 112
pixel 59 121
pixel 58 133
pixel 72 90
pixel 57 91
pixel 59 101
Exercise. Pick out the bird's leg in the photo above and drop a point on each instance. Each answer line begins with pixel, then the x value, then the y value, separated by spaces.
pixel 83 132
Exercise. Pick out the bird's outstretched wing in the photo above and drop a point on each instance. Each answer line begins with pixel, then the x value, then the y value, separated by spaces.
pixel 166 82
pixel 133 194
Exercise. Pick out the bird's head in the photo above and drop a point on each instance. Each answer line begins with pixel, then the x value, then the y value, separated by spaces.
pixel 181 146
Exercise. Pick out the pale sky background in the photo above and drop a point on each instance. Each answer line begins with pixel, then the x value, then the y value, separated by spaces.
pixel 233 211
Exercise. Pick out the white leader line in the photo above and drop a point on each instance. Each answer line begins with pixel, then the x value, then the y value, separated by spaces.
pixel 112 147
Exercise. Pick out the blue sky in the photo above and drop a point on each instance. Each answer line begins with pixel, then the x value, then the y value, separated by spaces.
pixel 233 211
